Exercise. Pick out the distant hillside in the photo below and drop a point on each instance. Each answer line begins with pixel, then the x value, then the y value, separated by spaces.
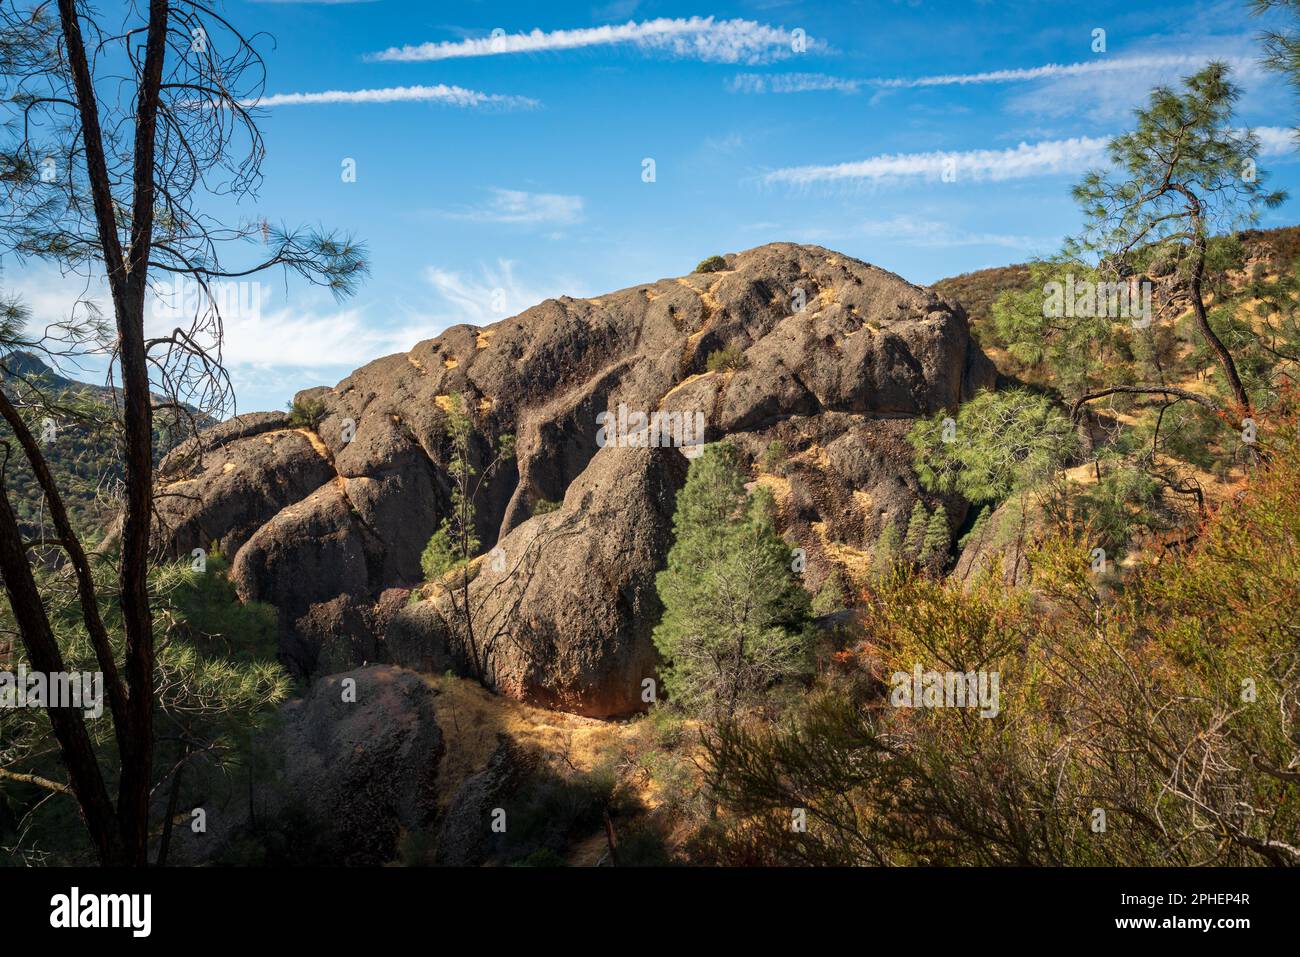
pixel 977 291
pixel 84 459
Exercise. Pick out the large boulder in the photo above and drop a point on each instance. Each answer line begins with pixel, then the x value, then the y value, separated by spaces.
pixel 345 771
pixel 837 358
pixel 563 609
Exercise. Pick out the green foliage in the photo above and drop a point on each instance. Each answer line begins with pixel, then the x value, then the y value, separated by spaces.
pixel 774 458
pixel 1194 657
pixel 977 291
pixel 1071 354
pixel 75 425
pixel 711 264
pixel 735 617
pixel 888 550
pixel 727 359
pixel 977 529
pixel 306 413
pixel 440 555
pixel 208 612
pixel 833 596
pixel 217 681
pixel 1004 442
pixel 914 538
pixel 545 506
pixel 1184 141
pixel 937 540
pixel 456 541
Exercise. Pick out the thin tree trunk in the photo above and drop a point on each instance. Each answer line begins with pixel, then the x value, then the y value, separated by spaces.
pixel 173 799
pixel 77 556
pixel 1198 308
pixel 137 616
pixel 127 283
pixel 68 723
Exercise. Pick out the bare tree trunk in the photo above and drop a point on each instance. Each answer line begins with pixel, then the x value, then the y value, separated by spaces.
pixel 127 282
pixel 173 798
pixel 1198 307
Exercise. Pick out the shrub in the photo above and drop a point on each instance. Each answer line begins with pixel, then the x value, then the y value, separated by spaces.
pixel 711 264
pixel 774 457
pixel 306 413
pixel 1166 699
pixel 439 556
pixel 729 358
pixel 833 596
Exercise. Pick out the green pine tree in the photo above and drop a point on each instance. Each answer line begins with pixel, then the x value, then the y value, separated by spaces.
pixel 735 616
pixel 833 596
pixel 888 548
pixel 934 547
pixel 914 538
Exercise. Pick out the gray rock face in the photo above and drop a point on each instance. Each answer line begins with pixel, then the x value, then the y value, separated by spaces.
pixel 465 838
pixel 564 611
pixel 343 778
pixel 369 766
pixel 345 509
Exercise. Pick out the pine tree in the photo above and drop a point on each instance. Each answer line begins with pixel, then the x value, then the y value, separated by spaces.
pixel 456 542
pixel 735 616
pixel 914 539
pixel 934 547
pixel 1186 167
pixel 888 547
pixel 833 595
pixel 977 530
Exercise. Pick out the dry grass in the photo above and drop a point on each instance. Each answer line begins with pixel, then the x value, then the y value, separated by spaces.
pixel 471 718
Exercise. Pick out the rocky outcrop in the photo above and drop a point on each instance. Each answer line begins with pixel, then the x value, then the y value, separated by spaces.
pixel 466 837
pixel 349 767
pixel 564 608
pixel 368 755
pixel 836 358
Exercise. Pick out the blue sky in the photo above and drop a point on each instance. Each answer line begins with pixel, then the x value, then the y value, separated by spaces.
pixel 491 174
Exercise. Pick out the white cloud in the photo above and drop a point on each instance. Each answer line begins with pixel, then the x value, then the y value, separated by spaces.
pixel 442 93
pixel 701 38
pixel 1107 93
pixel 1104 87
pixel 491 296
pixel 931 234
pixel 1275 140
pixel 1045 158
pixel 792 83
pixel 1037 159
pixel 1129 64
pixel 297 338
pixel 518 206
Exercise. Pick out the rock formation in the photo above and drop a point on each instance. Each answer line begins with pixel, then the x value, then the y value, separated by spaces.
pixel 326 513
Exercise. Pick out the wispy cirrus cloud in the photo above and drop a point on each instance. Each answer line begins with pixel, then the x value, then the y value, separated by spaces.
pixel 1106 90
pixel 700 38
pixel 1028 159
pixel 519 206
pixel 1117 66
pixel 441 93
pixel 1045 158
pixel 793 83
pixel 496 292
pixel 933 234
pixel 1051 71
